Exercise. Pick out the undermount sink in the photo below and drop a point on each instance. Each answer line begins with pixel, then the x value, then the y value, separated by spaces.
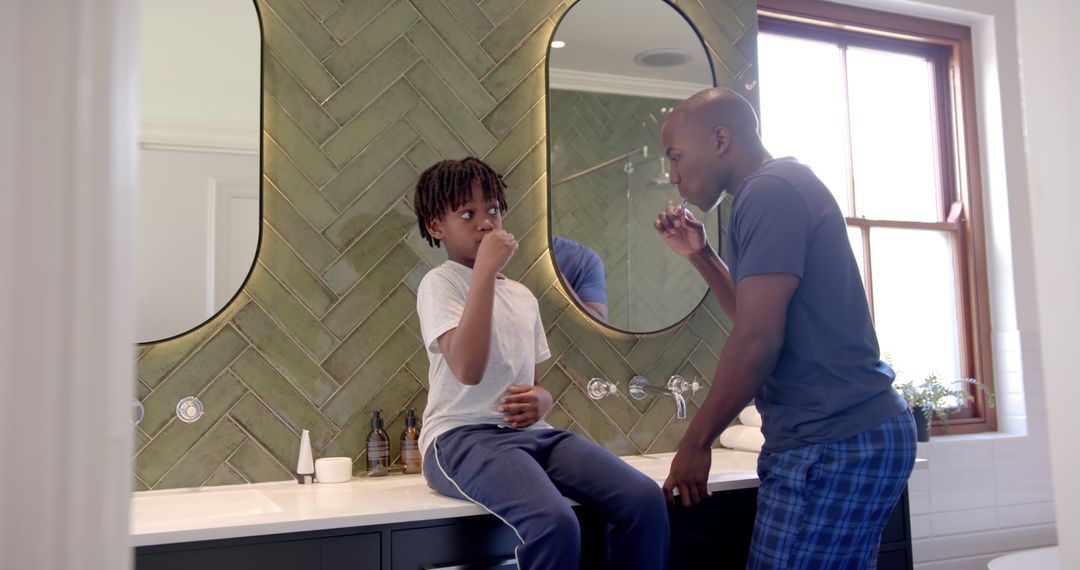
pixel 181 506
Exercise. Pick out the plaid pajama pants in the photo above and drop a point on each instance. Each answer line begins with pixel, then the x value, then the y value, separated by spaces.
pixel 824 505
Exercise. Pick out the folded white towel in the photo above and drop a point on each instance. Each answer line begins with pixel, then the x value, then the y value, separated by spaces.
pixel 750 416
pixel 742 438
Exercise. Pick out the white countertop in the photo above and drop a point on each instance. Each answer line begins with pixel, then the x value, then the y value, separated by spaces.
pixel 231 511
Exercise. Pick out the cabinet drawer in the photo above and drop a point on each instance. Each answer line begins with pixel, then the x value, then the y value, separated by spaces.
pixel 354 552
pixel 473 544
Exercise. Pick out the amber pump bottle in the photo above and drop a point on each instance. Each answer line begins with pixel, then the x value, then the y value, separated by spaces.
pixel 378 447
pixel 410 444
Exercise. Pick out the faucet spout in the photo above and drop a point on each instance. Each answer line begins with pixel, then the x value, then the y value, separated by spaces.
pixel 680 406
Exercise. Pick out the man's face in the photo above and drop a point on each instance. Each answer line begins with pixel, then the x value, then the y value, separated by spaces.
pixel 696 166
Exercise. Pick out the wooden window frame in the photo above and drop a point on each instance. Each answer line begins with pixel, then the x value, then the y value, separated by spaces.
pixel 949 48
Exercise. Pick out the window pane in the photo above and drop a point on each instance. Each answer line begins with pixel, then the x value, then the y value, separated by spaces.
pixel 892 136
pixel 915 309
pixel 789 67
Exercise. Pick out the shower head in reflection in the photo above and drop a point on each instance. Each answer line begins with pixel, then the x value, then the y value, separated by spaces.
pixel 661 182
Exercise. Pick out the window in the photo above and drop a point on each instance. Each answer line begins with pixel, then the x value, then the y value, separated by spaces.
pixel 881 107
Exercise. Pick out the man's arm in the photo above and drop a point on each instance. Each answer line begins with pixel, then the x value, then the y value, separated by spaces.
pixel 747 359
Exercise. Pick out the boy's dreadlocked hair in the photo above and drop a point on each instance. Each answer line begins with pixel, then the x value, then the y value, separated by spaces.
pixel 447 186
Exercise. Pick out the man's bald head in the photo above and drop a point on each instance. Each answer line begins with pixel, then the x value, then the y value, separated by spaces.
pixel 718 107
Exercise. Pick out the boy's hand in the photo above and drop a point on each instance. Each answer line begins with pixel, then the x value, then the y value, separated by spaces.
pixel 525 405
pixel 681 231
pixel 495 251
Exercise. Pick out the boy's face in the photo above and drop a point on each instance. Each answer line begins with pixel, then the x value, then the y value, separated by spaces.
pixel 461 230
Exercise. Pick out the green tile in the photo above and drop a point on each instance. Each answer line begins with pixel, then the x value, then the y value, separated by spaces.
pixel 256 465
pixel 555 381
pixel 670 438
pixel 322 8
pixel 598 427
pixel 162 452
pixel 296 57
pixel 362 255
pixel 673 357
pixel 704 361
pixel 190 379
pixel 297 145
pixel 392 399
pixel 522 139
pixel 161 358
pixel 593 345
pixel 358 302
pixel 305 240
pixel 421 156
pixel 287 92
pixel 450 108
pixel 446 63
pixel 413 279
pixel 204 458
pixel 139 440
pixel 304 25
pixel 364 341
pixel 291 271
pixel 383 365
pixel 378 156
pixel 384 193
pixel 528 209
pixel 470 16
pixel 660 412
pixel 552 305
pixel 557 344
pixel 225 475
pixel 367 85
pixel 649 349
pixel 517 104
pixel 558 418
pixel 294 317
pixel 529 171
pixel 617 408
pixel 517 25
pixel 389 396
pixel 459 41
pixel 261 424
pixel 419 363
pixel 301 193
pixel 137 485
pixel 435 132
pixel 372 39
pixel 369 124
pixel 353 16
pixel 497 10
pixel 285 354
pixel 282 397
pixel 520 62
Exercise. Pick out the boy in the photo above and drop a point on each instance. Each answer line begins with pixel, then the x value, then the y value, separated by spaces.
pixel 484 437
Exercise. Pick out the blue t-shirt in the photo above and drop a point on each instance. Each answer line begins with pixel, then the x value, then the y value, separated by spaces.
pixel 581 268
pixel 829 382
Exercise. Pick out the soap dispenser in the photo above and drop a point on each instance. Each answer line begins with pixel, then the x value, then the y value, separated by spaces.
pixel 378 447
pixel 410 444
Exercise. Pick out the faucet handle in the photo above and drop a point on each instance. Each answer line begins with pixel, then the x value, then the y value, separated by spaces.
pixel 599 388
pixel 679 385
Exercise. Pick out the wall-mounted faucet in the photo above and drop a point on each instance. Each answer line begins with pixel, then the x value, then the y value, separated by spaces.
pixel 676 387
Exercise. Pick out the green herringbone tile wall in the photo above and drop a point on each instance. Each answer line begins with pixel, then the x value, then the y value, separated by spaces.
pixel 359 96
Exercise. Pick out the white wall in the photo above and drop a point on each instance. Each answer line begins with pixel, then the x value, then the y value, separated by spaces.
pixel 988 494
pixel 1048 46
pixel 67 168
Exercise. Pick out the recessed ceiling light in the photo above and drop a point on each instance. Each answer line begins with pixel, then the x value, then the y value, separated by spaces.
pixel 558 44
pixel 662 57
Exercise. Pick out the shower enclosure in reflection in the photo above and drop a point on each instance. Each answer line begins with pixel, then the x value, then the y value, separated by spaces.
pixel 609 207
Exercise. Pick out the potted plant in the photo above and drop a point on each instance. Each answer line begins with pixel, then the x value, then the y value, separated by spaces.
pixel 934 396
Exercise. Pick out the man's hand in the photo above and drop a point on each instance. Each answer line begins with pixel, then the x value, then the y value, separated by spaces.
pixel 525 405
pixel 681 231
pixel 496 249
pixel 690 474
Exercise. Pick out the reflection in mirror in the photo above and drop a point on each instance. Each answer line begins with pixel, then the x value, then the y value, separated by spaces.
pixel 622 66
pixel 197 225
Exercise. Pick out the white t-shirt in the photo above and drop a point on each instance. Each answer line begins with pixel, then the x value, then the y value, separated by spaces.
pixel 518 343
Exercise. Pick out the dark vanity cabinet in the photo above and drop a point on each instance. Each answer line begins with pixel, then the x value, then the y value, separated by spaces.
pixel 715 535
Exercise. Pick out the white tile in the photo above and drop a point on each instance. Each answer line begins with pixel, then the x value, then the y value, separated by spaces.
pixel 1016 472
pixel 942 479
pixel 1030 341
pixel 1006 340
pixel 1029 514
pixel 1034 383
pixel 919 481
pixel 1020 538
pixel 922 550
pixel 1013 425
pixel 962 522
pixel 1009 383
pixel 949 453
pixel 963 499
pixel 1024 493
pixel 962 545
pixel 971 563
pixel 1032 360
pixel 1008 361
pixel 1022 449
pixel 1012 404
pixel 920 526
pixel 919 503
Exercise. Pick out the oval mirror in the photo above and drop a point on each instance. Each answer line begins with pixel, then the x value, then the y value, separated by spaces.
pixel 615 69
pixel 198 204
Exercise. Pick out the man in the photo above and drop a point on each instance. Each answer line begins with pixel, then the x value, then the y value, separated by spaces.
pixel 839 441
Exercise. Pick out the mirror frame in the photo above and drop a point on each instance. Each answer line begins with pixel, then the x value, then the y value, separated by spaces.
pixel 262 198
pixel 547 126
